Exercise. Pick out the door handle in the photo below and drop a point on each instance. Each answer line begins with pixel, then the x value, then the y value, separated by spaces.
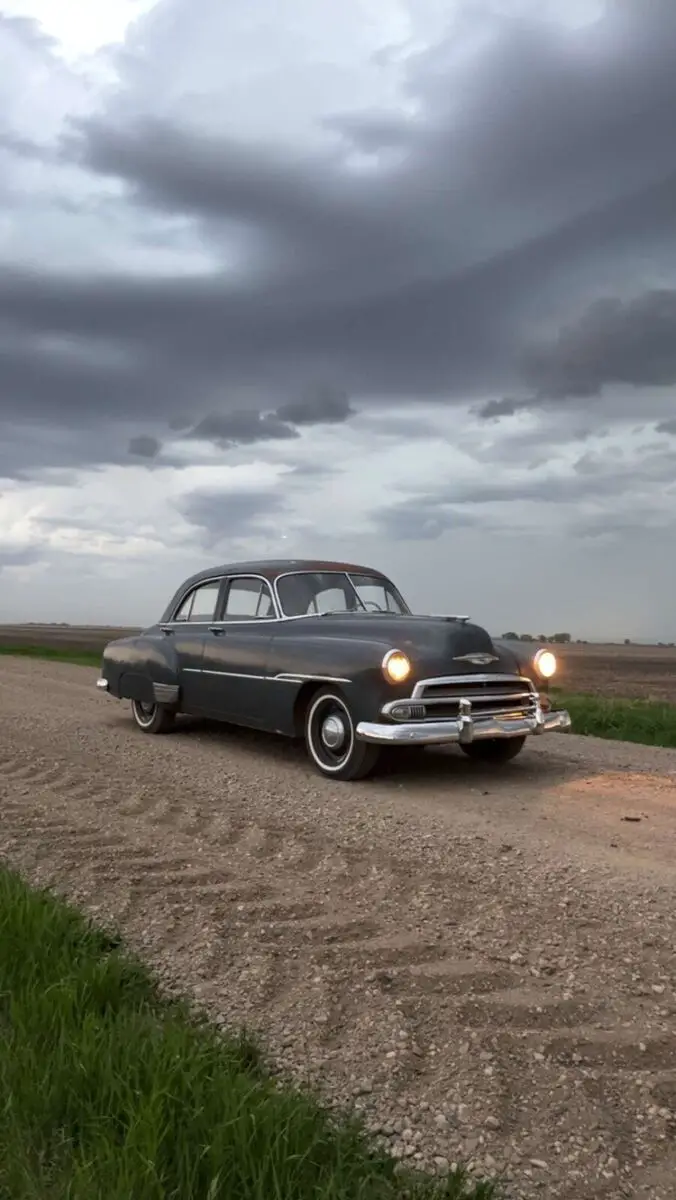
pixel 166 629
pixel 217 630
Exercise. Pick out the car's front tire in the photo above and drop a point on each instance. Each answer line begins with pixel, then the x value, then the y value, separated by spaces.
pixel 331 742
pixel 152 718
pixel 494 750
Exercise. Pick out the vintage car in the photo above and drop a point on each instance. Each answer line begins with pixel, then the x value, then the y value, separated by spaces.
pixel 331 652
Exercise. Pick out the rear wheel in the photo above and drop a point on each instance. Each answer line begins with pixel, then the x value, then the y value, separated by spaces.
pixel 152 718
pixel 331 742
pixel 494 750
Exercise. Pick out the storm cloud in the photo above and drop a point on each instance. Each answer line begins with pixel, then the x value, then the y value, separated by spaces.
pixel 615 341
pixel 432 261
pixel 532 163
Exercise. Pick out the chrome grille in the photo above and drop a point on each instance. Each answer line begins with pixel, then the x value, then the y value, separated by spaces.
pixel 489 695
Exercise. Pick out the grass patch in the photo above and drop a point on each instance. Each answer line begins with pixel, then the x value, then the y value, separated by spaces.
pixel 108 1092
pixel 82 658
pixel 649 722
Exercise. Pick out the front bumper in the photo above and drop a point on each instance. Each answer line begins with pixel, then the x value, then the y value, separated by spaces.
pixel 462 729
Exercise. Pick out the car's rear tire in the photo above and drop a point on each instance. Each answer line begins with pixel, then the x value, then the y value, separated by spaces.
pixel 330 740
pixel 494 750
pixel 152 718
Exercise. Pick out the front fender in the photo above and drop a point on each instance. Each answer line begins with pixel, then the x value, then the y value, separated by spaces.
pixel 352 665
pixel 523 656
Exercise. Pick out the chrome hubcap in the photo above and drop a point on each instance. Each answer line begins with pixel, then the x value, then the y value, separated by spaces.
pixel 333 732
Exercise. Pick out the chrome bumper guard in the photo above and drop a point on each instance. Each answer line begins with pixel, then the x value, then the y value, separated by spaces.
pixel 462 729
pixel 102 684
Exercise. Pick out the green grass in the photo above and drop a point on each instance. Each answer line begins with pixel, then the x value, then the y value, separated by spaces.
pixel 82 658
pixel 108 1092
pixel 649 722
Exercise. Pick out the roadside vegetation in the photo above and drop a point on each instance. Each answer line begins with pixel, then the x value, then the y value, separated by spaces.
pixel 109 1092
pixel 81 658
pixel 649 722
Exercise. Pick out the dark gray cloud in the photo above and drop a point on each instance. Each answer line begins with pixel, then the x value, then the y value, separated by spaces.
pixel 323 406
pixel 613 342
pixel 504 407
pixel 667 426
pixel 223 514
pixel 241 427
pixel 144 446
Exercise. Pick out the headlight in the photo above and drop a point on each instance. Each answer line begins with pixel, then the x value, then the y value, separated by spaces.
pixel 545 663
pixel 396 666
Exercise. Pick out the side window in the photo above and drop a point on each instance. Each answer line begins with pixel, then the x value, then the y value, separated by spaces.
pixel 205 601
pixel 200 604
pixel 247 599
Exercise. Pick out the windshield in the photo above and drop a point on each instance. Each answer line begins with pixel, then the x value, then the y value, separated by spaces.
pixel 314 592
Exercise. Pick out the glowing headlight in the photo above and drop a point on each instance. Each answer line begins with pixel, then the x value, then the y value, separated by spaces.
pixel 396 666
pixel 545 663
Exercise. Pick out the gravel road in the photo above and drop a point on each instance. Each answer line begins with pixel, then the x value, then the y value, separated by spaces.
pixel 483 961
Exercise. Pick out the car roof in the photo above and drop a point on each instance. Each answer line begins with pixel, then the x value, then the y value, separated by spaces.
pixel 271 568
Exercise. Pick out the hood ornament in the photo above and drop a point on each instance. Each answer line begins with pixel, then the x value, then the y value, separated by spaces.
pixel 478 660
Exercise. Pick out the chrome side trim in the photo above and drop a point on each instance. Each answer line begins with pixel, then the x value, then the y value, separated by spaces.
pixel 282 677
pixel 102 684
pixel 225 674
pixel 296 677
pixel 463 730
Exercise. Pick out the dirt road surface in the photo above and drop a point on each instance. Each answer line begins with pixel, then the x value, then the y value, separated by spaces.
pixel 483 961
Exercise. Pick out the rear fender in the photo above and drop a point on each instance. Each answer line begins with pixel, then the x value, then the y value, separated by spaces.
pixel 142 668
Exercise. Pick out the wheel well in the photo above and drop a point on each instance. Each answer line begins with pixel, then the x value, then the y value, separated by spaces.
pixel 134 685
pixel 302 702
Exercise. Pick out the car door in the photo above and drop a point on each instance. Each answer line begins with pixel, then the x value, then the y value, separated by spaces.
pixel 236 652
pixel 188 631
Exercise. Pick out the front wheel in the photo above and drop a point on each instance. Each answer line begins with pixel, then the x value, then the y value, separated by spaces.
pixel 331 742
pixel 152 718
pixel 494 750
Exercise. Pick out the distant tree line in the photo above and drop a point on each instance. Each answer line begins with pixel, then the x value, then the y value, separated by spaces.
pixel 560 639
pixel 565 639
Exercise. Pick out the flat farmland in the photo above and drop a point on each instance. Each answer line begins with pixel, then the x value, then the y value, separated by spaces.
pixel 619 672
pixel 79 638
pixel 609 670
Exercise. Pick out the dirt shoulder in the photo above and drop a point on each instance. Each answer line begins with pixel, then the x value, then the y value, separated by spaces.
pixel 484 961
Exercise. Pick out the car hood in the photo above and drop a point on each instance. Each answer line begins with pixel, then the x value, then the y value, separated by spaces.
pixel 436 643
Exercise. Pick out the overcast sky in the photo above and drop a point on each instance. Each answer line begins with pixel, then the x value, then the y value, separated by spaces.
pixel 390 280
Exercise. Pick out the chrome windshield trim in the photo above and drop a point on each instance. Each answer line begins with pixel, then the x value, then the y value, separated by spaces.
pixel 346 575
